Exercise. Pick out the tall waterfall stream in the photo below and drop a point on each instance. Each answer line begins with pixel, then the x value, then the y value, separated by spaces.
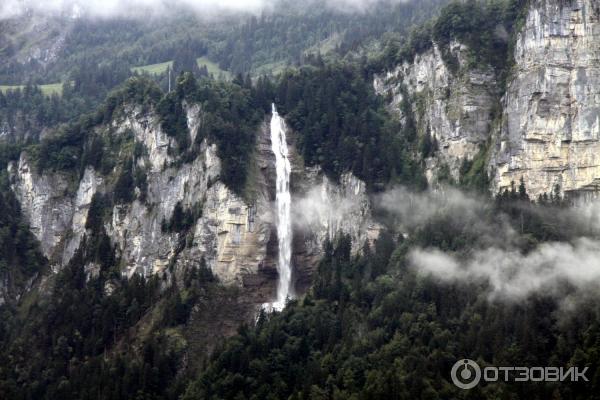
pixel 283 204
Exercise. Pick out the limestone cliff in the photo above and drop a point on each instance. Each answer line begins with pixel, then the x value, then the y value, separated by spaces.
pixel 324 209
pixel 550 133
pixel 454 105
pixel 233 235
pixel 41 198
pixel 548 130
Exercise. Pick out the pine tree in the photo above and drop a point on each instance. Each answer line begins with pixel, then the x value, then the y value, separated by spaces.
pixel 523 190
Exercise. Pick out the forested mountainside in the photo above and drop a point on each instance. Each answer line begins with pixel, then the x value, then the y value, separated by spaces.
pixel 433 171
pixel 78 58
pixel 45 49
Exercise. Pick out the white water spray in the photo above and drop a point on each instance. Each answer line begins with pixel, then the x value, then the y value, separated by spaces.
pixel 283 200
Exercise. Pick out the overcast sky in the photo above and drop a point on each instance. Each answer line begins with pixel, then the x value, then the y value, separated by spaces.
pixel 110 8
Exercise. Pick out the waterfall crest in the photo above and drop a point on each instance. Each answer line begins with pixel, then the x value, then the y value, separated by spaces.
pixel 283 200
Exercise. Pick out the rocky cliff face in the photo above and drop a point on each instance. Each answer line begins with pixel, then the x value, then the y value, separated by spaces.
pixel 231 234
pixel 234 236
pixel 550 132
pixel 324 209
pixel 549 128
pixel 51 211
pixel 454 105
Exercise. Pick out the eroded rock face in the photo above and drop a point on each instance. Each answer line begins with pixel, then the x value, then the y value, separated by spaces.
pixel 329 208
pixel 146 128
pixel 56 218
pixel 137 228
pixel 90 183
pixel 234 236
pixel 46 204
pixel 454 106
pixel 323 209
pixel 551 125
pixel 194 116
pixel 231 235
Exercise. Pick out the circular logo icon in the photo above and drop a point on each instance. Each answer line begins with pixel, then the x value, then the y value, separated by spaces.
pixel 466 374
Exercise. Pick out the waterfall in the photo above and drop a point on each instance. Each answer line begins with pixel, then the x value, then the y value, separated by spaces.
pixel 283 200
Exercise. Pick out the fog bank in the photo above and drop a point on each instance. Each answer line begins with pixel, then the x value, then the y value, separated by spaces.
pixel 138 8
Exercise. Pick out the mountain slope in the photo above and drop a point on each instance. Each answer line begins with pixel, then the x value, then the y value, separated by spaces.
pixel 138 240
pixel 48 48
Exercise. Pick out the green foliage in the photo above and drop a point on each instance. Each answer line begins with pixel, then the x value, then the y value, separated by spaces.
pixel 79 322
pixel 230 120
pixel 97 244
pixel 243 43
pixel 444 175
pixel 182 219
pixel 474 174
pixel 27 111
pixel 233 127
pixel 186 61
pixel 373 329
pixel 344 126
pixel 62 151
pixel 124 187
pixel 94 154
pixel 428 145
pixel 136 91
pixel 483 26
pixel 369 328
pixel 173 119
pixel 294 32
pixel 418 41
pixel 487 27
pixel 131 179
pixel 76 341
pixel 75 145
pixel 95 217
pixel 9 152
pixel 540 222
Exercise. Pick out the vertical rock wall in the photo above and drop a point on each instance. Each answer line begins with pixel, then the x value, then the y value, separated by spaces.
pixel 550 132
pixel 455 107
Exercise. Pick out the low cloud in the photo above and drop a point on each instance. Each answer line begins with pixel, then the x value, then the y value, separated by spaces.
pixel 465 212
pixel 135 8
pixel 568 271
pixel 415 208
pixel 551 269
pixel 125 8
pixel 478 214
pixel 319 206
